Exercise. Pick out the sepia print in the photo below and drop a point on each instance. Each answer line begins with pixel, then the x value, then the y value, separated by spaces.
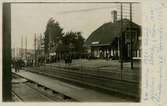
pixel 72 52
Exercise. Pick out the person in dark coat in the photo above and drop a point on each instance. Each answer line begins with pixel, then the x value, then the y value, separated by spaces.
pixel 14 65
pixel 17 66
pixel 66 58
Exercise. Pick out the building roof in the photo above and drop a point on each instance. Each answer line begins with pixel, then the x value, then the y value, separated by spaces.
pixel 106 33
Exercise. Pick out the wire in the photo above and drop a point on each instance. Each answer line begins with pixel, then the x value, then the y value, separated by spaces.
pixel 83 10
pixel 94 9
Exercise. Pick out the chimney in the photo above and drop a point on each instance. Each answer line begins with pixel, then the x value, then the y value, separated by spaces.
pixel 114 15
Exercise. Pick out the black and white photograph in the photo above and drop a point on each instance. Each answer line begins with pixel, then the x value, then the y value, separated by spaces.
pixel 72 52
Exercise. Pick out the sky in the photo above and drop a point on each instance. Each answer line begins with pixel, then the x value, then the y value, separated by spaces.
pixel 30 18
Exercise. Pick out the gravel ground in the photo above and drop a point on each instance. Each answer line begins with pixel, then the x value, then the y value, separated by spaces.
pixel 24 90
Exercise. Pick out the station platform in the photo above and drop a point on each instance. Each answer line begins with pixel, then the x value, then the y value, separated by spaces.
pixel 76 92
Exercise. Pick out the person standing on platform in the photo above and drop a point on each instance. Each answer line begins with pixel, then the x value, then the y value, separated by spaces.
pixel 14 65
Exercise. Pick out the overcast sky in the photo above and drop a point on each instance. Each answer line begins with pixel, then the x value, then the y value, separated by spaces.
pixel 28 19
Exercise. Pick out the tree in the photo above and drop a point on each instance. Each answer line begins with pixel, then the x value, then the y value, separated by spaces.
pixel 53 35
pixel 79 42
pixel 73 42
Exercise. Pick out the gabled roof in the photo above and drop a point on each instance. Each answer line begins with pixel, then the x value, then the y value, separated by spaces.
pixel 106 33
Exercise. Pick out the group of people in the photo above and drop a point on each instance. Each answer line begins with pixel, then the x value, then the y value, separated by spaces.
pixel 68 59
pixel 17 64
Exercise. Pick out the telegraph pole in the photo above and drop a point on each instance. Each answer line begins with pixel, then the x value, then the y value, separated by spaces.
pixel 22 46
pixel 121 50
pixel 40 43
pixel 14 51
pixel 35 49
pixel 131 53
pixel 26 47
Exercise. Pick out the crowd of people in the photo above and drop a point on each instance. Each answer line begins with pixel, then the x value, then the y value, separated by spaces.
pixel 17 64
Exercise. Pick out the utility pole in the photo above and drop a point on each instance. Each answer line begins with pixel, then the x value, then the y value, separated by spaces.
pixel 26 48
pixel 26 52
pixel 35 49
pixel 22 46
pixel 122 44
pixel 131 53
pixel 121 49
pixel 14 52
pixel 40 45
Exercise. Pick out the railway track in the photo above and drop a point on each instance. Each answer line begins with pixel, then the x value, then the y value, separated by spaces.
pixel 16 98
pixel 115 73
pixel 32 91
pixel 99 81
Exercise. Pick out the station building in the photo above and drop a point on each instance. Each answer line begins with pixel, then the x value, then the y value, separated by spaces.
pixel 105 41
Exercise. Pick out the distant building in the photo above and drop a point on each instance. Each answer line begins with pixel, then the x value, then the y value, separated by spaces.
pixel 105 41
